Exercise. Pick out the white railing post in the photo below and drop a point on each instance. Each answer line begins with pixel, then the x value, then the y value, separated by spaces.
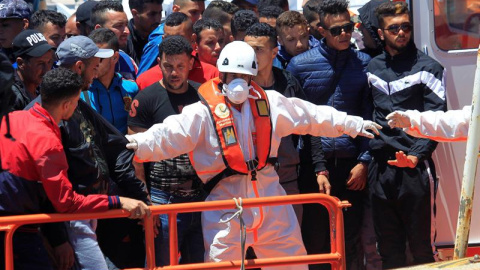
pixel 469 171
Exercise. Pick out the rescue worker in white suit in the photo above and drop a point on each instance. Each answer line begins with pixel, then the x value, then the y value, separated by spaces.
pixel 232 137
pixel 449 126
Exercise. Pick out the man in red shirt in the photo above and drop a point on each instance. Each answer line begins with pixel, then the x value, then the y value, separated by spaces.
pixel 180 24
pixel 36 167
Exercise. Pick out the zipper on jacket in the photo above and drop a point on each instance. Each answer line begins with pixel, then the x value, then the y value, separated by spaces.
pixel 390 96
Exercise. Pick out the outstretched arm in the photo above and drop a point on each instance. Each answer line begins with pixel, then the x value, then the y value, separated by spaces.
pixel 178 134
pixel 296 116
pixel 436 125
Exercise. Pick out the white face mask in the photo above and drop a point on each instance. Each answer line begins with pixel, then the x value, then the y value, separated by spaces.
pixel 237 91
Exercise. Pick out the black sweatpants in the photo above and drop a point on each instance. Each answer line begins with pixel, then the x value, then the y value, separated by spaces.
pixel 402 203
pixel 315 223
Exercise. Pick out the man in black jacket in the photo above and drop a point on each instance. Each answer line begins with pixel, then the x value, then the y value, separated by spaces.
pixel 403 189
pixel 263 38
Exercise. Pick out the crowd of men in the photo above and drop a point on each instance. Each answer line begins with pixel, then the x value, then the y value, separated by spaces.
pixel 235 99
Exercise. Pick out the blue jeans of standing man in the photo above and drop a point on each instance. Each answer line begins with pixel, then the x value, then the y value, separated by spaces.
pixel 83 239
pixel 189 230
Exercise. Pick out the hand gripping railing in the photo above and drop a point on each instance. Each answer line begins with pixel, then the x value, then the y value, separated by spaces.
pixel 334 206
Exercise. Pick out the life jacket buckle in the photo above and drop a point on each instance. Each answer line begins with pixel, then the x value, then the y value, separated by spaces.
pixel 252 165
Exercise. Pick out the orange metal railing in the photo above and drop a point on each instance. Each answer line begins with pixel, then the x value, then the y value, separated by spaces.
pixel 334 206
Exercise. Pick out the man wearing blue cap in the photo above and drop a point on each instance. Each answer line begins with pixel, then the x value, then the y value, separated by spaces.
pixel 80 54
pixel 14 18
pixel 34 57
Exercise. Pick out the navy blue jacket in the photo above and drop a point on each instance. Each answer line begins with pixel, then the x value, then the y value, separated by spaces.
pixel 316 70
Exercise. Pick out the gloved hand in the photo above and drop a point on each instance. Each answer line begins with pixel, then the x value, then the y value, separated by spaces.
pixel 132 143
pixel 369 125
pixel 398 119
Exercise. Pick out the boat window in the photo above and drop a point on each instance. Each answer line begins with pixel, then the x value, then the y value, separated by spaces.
pixel 457 24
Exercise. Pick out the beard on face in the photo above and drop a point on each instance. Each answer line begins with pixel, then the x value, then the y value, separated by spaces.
pixel 86 83
pixel 399 48
pixel 169 86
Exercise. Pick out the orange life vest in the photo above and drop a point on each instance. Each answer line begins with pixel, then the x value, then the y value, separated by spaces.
pixel 222 118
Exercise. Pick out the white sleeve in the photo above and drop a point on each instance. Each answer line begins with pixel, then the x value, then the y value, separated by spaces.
pixel 296 116
pixel 178 134
pixel 440 126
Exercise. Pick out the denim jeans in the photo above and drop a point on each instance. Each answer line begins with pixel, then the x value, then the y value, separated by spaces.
pixel 83 239
pixel 28 252
pixel 189 229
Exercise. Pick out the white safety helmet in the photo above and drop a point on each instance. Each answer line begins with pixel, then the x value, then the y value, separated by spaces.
pixel 238 57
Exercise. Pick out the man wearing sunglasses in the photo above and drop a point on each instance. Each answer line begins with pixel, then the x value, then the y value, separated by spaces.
pixel 335 74
pixel 403 189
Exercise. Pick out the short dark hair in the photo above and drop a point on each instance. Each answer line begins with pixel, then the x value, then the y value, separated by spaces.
pixel 176 18
pixel 390 9
pixel 310 10
pixel 105 36
pixel 263 30
pixel 217 14
pixel 59 84
pixel 98 12
pixel 332 7
pixel 224 6
pixel 203 24
pixel 270 12
pixel 290 19
pixel 243 19
pixel 41 17
pixel 221 11
pixel 139 5
pixel 182 3
pixel 173 45
pixel 283 4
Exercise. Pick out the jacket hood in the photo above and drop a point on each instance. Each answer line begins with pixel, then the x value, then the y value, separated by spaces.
pixel 369 19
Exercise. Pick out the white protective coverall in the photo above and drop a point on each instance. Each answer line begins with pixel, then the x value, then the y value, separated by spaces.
pixel 439 125
pixel 193 131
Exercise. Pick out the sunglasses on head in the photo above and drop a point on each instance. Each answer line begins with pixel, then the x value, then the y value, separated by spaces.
pixel 395 28
pixel 337 30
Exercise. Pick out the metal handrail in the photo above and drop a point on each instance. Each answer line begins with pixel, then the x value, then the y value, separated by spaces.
pixel 336 257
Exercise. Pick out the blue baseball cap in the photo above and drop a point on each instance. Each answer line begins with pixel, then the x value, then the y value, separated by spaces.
pixel 15 9
pixel 80 48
